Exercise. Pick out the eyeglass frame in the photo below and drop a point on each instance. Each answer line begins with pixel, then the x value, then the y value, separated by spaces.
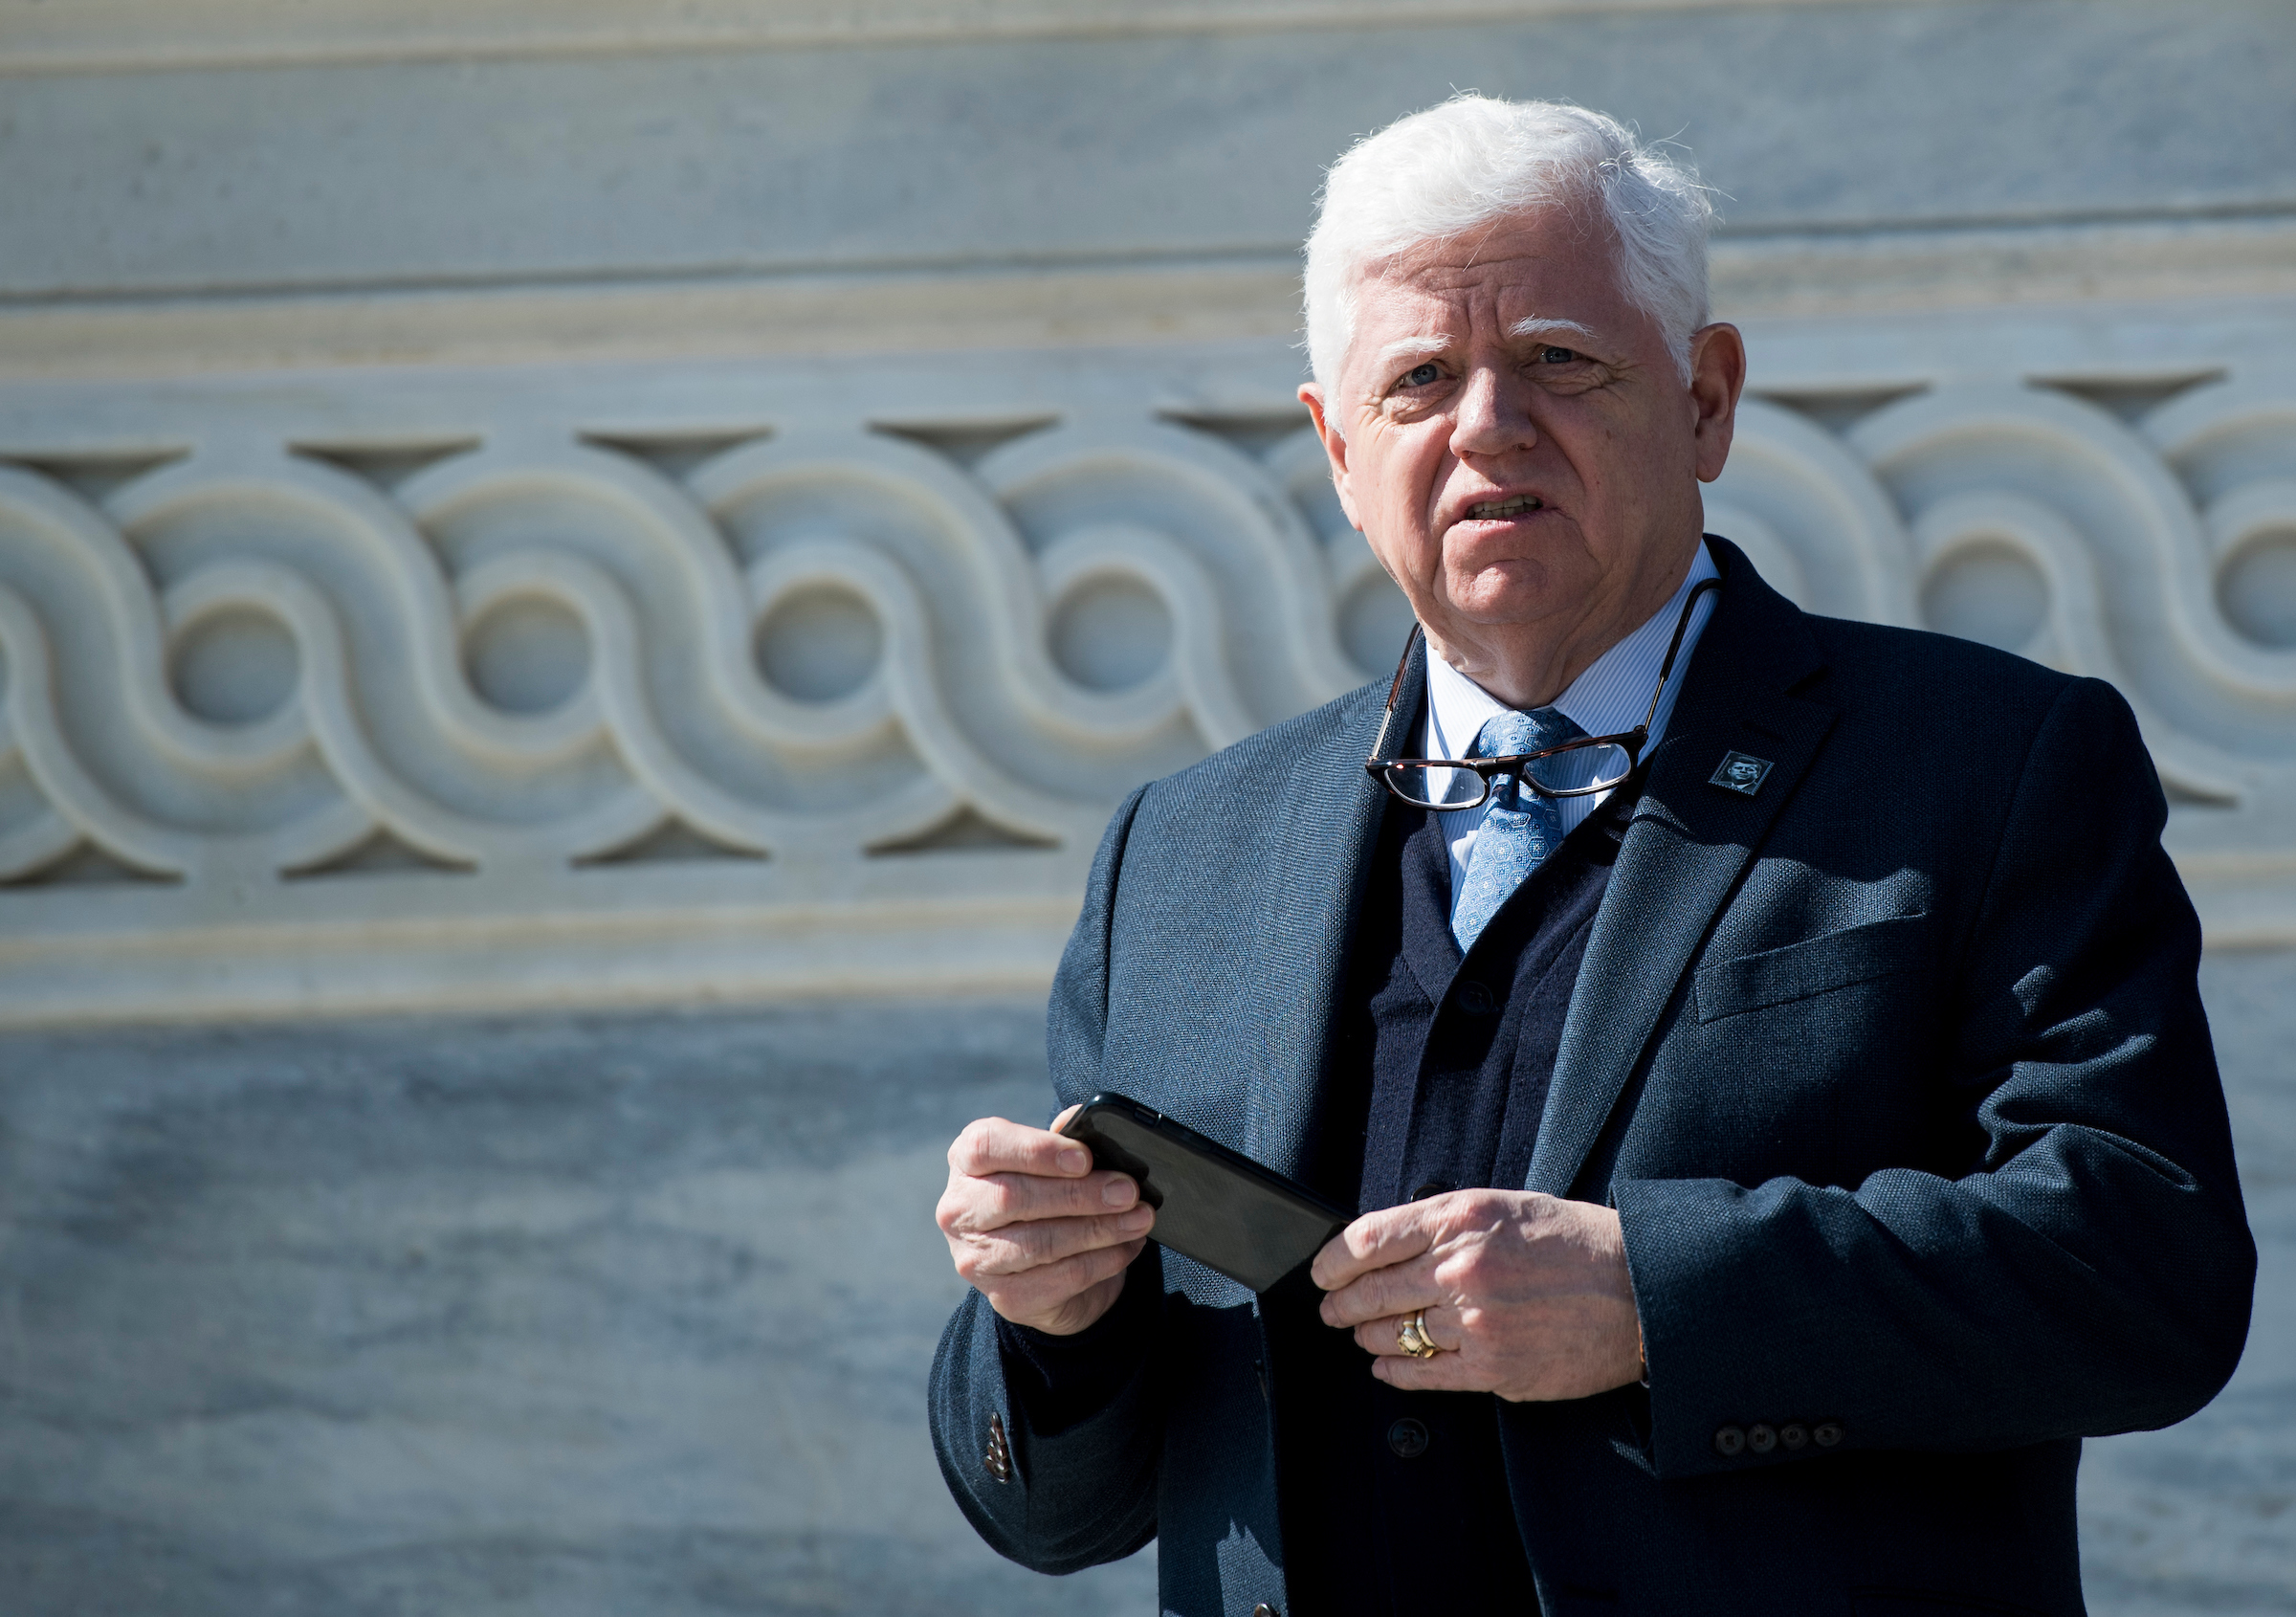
pixel 1632 741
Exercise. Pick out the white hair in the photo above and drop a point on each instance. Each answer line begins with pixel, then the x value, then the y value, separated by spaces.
pixel 1471 162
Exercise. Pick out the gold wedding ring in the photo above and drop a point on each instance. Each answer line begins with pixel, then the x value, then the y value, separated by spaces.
pixel 1411 1336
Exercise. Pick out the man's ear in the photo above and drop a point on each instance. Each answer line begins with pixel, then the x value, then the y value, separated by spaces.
pixel 1717 377
pixel 1334 448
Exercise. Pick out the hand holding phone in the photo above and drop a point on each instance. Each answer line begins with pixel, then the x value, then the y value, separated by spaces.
pixel 1035 1227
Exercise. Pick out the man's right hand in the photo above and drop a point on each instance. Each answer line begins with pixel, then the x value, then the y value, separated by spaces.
pixel 1035 1229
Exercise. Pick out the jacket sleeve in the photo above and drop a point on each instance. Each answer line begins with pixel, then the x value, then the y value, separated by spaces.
pixel 2091 1274
pixel 1072 1491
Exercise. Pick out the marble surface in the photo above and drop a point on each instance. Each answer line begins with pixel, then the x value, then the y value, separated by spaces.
pixel 631 1313
pixel 556 1317
pixel 1125 148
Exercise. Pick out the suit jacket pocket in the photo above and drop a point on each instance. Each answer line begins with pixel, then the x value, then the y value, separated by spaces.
pixel 1815 966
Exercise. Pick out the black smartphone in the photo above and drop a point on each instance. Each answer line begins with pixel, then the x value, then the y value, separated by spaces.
pixel 1213 1205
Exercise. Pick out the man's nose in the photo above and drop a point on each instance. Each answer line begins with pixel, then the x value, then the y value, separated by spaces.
pixel 1494 415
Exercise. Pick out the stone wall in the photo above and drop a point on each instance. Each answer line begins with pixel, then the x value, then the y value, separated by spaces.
pixel 540 1318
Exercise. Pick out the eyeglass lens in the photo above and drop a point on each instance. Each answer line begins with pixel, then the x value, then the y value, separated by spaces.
pixel 1577 769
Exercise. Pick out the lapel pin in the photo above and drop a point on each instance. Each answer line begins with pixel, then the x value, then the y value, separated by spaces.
pixel 1741 773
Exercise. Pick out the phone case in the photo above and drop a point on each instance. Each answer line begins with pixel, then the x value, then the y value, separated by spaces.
pixel 1214 1204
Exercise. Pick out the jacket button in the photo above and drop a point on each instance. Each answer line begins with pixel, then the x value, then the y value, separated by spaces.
pixel 1793 1434
pixel 1827 1434
pixel 1760 1438
pixel 1474 998
pixel 1263 1609
pixel 1432 1187
pixel 1729 1440
pixel 1408 1438
pixel 998 1458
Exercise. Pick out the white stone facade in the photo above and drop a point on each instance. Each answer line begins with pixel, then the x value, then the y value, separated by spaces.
pixel 524 505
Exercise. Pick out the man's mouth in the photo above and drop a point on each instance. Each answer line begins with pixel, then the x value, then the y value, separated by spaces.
pixel 1498 510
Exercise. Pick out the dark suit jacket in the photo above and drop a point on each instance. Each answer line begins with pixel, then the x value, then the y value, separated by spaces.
pixel 1895 1072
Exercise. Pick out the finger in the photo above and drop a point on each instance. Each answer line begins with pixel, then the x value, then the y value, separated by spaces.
pixel 998 1145
pixel 1446 1372
pixel 1046 1290
pixel 1384 1292
pixel 1375 1241
pixel 1017 1248
pixel 976 1206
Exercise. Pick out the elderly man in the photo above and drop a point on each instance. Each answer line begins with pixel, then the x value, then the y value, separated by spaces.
pixel 1763 1050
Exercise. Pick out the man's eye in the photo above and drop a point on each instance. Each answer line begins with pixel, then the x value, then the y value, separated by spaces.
pixel 1419 376
pixel 1552 355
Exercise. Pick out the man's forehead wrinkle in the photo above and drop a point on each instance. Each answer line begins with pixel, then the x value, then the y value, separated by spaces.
pixel 1454 279
pixel 1484 240
pixel 1466 258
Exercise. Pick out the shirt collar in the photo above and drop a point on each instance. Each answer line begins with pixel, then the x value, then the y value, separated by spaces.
pixel 1611 695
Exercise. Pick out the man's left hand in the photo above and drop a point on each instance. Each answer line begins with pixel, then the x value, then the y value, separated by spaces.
pixel 1527 1294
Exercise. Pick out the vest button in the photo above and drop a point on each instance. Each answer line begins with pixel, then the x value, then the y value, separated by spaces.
pixel 1474 998
pixel 1729 1440
pixel 1408 1438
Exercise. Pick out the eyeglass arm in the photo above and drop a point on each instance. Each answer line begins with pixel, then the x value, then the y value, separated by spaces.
pixel 1666 670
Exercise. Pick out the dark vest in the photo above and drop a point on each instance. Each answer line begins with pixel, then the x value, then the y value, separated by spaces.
pixel 1437 1082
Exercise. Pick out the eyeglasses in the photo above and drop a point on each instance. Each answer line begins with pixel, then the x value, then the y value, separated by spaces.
pixel 1576 769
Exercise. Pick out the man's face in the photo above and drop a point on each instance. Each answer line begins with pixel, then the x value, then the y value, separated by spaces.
pixel 1518 444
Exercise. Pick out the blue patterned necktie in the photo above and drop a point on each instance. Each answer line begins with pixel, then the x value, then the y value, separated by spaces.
pixel 1519 826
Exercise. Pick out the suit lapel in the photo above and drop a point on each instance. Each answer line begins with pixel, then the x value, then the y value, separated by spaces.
pixel 1684 851
pixel 1307 918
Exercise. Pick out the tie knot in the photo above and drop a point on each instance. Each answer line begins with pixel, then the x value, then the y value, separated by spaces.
pixel 1508 734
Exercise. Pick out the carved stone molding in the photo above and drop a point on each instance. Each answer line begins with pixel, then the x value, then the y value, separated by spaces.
pixel 537 708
